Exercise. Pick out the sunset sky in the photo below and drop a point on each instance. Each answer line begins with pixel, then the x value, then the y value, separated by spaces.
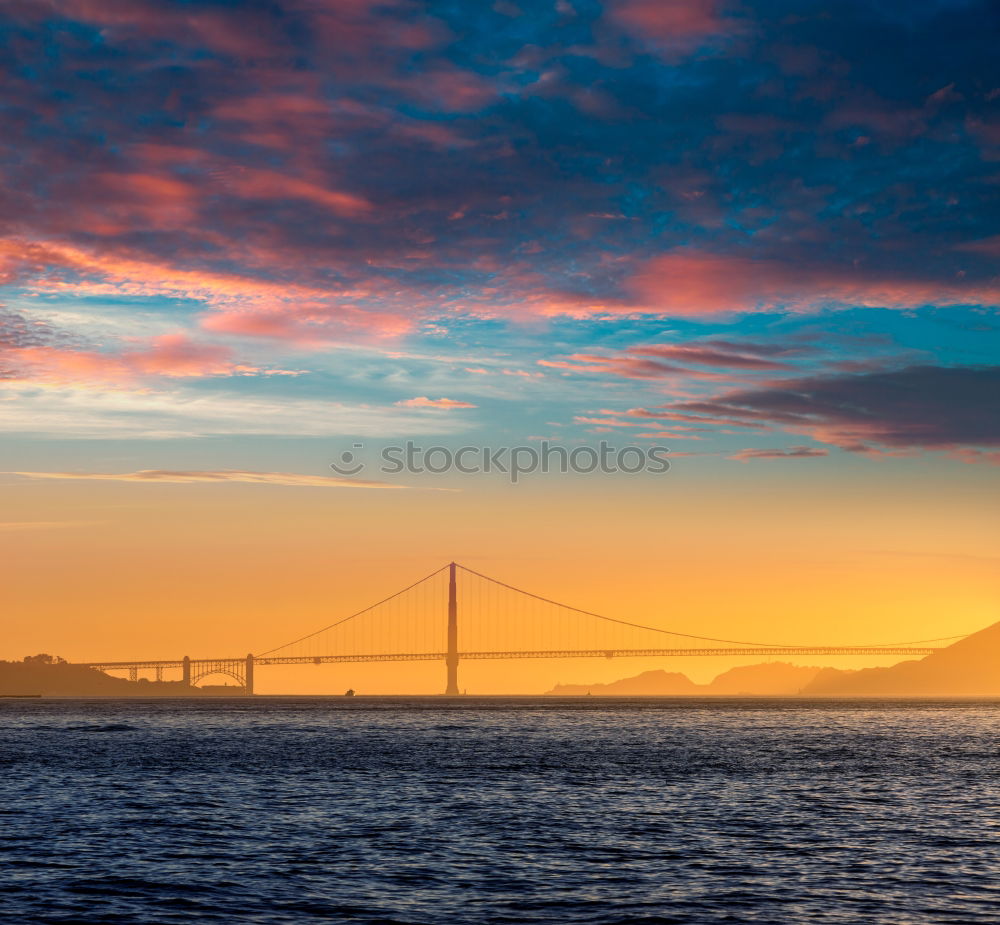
pixel 240 239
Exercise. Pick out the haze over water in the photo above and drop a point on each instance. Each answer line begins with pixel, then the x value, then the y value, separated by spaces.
pixel 476 810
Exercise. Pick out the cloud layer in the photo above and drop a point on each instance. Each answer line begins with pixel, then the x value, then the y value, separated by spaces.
pixel 915 408
pixel 311 172
pixel 219 215
pixel 293 479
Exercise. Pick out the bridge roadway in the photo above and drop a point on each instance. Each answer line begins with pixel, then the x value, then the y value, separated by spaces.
pixel 203 663
pixel 242 669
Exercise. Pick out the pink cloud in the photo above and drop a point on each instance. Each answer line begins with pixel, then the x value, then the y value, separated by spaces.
pixel 792 452
pixel 51 265
pixel 606 423
pixel 310 324
pixel 606 420
pixel 348 26
pixel 238 304
pixel 212 476
pixel 242 35
pixel 357 37
pixel 881 117
pixel 707 354
pixel 147 186
pixel 171 356
pixel 151 200
pixel 293 118
pixel 176 356
pixel 625 367
pixel 967 455
pixel 671 22
pixel 987 131
pixel 628 367
pixel 423 401
pixel 269 184
pixel 668 435
pixel 452 89
pixel 689 283
pixel 659 414
pixel 272 106
pixel 989 246
pixel 522 373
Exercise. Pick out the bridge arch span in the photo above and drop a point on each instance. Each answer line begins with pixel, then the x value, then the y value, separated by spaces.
pixel 234 669
pixel 228 674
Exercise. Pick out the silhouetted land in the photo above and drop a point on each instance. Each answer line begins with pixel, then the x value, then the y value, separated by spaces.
pixel 772 679
pixel 50 676
pixel 968 668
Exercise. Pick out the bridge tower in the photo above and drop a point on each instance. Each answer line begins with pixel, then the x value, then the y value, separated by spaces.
pixel 248 676
pixel 186 670
pixel 451 659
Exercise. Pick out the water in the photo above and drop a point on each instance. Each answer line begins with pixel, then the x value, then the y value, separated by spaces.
pixel 421 810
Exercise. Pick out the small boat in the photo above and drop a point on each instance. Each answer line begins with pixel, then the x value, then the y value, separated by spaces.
pixel 349 693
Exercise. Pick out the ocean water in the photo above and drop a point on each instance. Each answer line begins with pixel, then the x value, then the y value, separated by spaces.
pixel 465 811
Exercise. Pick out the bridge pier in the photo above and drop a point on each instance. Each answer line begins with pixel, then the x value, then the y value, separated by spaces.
pixel 186 670
pixel 248 676
pixel 451 658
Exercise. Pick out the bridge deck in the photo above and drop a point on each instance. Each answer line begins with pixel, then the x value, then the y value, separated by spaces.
pixel 548 653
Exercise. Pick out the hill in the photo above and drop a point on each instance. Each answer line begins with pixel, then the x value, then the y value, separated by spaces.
pixel 970 667
pixel 648 684
pixel 774 679
pixel 48 676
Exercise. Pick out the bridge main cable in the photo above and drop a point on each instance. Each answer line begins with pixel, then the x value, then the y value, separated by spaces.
pixel 654 629
pixel 354 615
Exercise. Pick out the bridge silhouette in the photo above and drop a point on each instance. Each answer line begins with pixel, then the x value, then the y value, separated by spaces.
pixel 499 621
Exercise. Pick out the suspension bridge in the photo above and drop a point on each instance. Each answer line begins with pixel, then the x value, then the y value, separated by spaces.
pixel 499 621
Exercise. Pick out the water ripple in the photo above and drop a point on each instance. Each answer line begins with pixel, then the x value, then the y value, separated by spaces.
pixel 428 811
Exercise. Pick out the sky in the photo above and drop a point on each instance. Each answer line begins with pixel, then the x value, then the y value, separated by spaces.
pixel 239 240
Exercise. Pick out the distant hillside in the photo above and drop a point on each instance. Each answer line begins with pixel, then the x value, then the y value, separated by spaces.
pixel 773 679
pixel 48 676
pixel 970 667
pixel 649 684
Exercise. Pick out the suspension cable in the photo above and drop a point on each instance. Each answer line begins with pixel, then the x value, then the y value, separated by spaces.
pixel 353 615
pixel 654 629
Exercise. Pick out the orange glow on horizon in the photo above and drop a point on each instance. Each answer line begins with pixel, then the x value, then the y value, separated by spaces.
pixel 158 571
